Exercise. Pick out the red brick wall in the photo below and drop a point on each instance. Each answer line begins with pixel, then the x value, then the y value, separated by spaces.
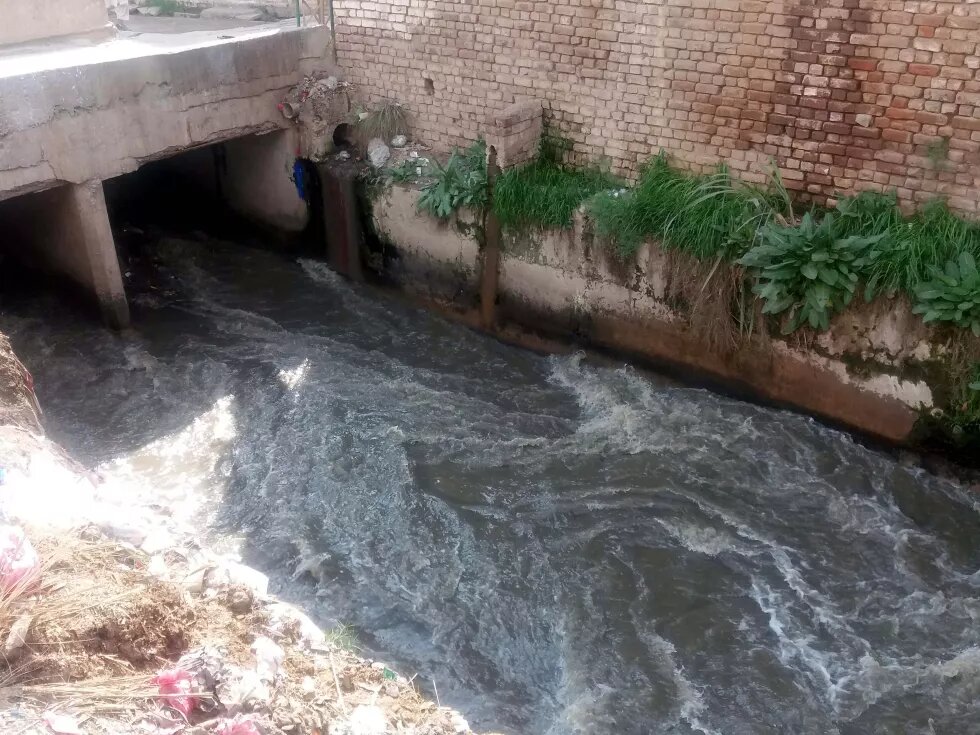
pixel 843 94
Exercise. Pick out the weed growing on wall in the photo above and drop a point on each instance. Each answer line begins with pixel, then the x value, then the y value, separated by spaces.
pixel 957 425
pixel 461 182
pixel 385 121
pixel 938 153
pixel 952 294
pixel 708 216
pixel 807 272
pixel 546 194
pixel 912 246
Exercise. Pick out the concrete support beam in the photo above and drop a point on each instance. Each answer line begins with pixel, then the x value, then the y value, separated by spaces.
pixel 90 235
pixel 66 231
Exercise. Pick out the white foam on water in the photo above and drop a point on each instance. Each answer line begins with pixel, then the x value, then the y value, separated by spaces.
pixel 180 472
pixel 795 648
pixel 702 539
pixel 609 419
pixel 292 378
pixel 320 271
pixel 690 701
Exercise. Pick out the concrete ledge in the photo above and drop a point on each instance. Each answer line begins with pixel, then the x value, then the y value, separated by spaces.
pixel 562 284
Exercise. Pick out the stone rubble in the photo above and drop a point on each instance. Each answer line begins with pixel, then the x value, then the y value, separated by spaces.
pixel 378 152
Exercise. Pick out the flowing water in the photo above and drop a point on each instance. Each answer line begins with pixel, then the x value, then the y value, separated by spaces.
pixel 561 546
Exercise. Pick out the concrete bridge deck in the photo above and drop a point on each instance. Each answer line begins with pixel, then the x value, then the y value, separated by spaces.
pixel 74 113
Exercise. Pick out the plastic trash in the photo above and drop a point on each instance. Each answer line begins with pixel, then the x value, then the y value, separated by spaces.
pixel 19 563
pixel 238 726
pixel 268 658
pixel 61 724
pixel 175 687
pixel 299 178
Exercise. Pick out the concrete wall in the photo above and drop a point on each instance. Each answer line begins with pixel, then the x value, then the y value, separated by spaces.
pixel 562 283
pixel 257 180
pixel 436 259
pixel 842 94
pixel 32 20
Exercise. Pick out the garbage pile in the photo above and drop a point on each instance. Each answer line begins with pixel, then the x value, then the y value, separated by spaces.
pixel 318 104
pixel 105 638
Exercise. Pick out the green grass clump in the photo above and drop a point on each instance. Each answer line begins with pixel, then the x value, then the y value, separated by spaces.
pixel 343 636
pixel 709 216
pixel 385 121
pixel 912 248
pixel 546 194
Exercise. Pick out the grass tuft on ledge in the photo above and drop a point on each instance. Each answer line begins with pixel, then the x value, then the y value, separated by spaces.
pixel 912 246
pixel 545 194
pixel 708 216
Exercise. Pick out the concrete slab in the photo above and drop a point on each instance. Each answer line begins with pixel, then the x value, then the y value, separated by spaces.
pixel 140 24
pixel 61 53
pixel 29 21
pixel 237 13
pixel 70 113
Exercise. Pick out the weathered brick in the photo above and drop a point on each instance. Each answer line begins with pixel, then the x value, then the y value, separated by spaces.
pixel 736 80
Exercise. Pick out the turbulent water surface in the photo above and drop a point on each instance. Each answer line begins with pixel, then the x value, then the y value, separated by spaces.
pixel 562 547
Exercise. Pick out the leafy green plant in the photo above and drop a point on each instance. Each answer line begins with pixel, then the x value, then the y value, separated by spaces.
pixel 952 294
pixel 911 246
pixel 461 182
pixel 807 272
pixel 409 170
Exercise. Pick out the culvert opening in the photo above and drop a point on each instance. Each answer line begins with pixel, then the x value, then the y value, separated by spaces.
pixel 251 190
pixel 344 137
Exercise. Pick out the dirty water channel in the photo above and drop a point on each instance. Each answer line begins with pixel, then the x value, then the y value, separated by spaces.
pixel 555 545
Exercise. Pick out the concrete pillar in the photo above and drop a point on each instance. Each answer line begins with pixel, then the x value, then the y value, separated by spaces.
pixel 99 267
pixel 341 219
pixel 516 133
pixel 66 231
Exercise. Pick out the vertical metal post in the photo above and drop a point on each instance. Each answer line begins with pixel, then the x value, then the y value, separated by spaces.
pixel 299 14
pixel 490 277
pixel 333 30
